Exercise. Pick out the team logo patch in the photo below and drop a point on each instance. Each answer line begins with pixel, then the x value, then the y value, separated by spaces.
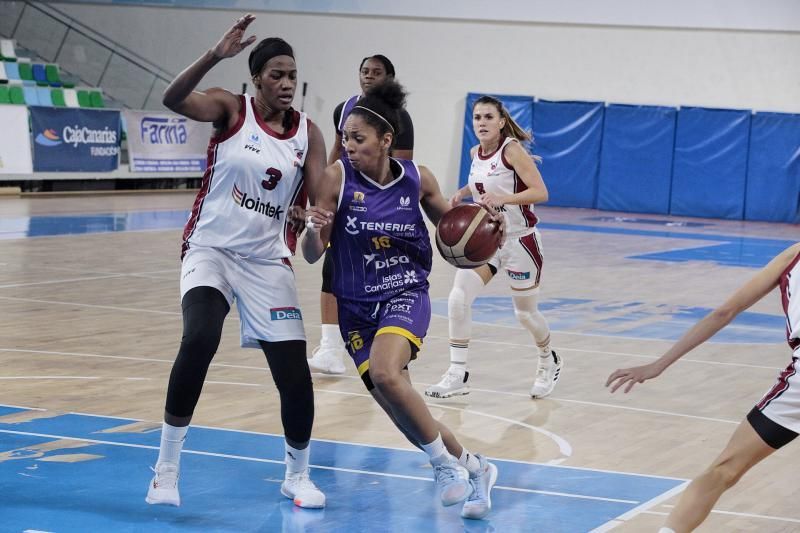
pixel 285 313
pixel 358 196
pixel 405 202
pixel 520 276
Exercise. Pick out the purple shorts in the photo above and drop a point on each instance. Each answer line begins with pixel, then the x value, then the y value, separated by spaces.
pixel 407 314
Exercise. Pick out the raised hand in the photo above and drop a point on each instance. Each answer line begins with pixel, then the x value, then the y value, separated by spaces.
pixel 231 43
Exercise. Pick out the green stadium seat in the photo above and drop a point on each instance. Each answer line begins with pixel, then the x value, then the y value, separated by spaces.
pixel 97 99
pixel 53 77
pixel 5 98
pixel 16 95
pixel 57 95
pixel 25 71
pixel 84 99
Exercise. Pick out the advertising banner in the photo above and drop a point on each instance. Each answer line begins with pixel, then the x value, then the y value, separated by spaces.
pixel 15 143
pixel 165 142
pixel 74 140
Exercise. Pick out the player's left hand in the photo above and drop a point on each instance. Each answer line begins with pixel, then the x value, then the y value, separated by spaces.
pixel 490 199
pixel 496 216
pixel 297 219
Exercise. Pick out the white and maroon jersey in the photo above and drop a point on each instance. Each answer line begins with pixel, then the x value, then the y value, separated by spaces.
pixel 254 176
pixel 790 298
pixel 492 173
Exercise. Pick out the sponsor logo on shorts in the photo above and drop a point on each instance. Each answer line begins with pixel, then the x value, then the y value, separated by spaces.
pixel 520 276
pixel 285 313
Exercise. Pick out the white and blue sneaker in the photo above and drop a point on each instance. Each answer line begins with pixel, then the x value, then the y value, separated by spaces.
pixel 479 502
pixel 451 482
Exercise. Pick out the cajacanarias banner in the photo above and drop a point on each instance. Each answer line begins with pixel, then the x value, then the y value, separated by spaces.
pixel 74 140
pixel 165 142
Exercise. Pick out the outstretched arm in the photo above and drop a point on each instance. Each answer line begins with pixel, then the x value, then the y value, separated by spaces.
pixel 214 105
pixel 759 286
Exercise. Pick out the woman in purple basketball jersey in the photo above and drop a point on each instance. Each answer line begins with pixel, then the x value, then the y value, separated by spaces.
pixel 775 419
pixel 369 207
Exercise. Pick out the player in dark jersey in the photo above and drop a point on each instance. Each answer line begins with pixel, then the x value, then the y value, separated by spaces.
pixel 771 424
pixel 328 357
pixel 382 256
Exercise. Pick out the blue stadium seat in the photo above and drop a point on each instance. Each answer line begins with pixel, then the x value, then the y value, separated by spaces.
pixel 39 74
pixel 31 97
pixel 43 94
pixel 12 70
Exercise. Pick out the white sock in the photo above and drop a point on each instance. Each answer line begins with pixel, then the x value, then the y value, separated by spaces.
pixel 666 530
pixel 172 438
pixel 458 360
pixel 437 451
pixel 296 460
pixel 331 336
pixel 469 461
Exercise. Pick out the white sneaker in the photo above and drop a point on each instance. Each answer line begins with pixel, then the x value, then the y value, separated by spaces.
pixel 327 359
pixel 163 488
pixel 479 503
pixel 301 489
pixel 452 384
pixel 453 486
pixel 546 375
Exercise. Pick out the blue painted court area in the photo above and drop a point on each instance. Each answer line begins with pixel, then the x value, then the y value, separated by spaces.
pixel 626 319
pixel 230 481
pixel 49 226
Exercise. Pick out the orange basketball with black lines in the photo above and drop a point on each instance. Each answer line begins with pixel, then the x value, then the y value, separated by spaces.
pixel 467 237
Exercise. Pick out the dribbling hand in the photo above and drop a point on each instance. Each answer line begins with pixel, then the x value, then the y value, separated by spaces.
pixel 231 43
pixel 297 219
pixel 497 217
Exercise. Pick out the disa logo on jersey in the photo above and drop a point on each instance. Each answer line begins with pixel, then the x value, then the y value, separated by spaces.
pixel 388 262
pixel 285 313
pixel 268 210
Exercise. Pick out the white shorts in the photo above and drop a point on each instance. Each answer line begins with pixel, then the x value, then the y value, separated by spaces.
pixel 264 290
pixel 781 404
pixel 522 259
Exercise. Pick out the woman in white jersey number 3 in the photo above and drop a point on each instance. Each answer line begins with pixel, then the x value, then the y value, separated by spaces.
pixel 504 177
pixel 237 244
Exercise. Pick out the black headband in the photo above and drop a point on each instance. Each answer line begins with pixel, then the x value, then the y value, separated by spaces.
pixel 266 50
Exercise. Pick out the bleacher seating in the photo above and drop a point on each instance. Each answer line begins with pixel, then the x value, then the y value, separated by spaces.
pixel 7 50
pixel 29 82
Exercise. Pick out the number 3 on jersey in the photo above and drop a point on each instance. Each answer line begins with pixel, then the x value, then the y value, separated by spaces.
pixel 274 177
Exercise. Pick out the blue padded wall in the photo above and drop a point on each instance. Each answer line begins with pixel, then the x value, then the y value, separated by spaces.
pixel 567 136
pixel 519 107
pixel 710 167
pixel 773 169
pixel 636 159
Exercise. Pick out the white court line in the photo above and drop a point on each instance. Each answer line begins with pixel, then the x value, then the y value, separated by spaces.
pixel 611 524
pixel 321 467
pixel 487 391
pixel 51 377
pixel 563 446
pixel 55 281
pixel 749 515
pixel 91 306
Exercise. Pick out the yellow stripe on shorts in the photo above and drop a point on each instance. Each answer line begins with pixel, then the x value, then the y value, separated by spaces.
pixel 363 367
pixel 403 333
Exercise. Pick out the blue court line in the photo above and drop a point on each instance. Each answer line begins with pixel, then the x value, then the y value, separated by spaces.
pixel 626 319
pixel 230 481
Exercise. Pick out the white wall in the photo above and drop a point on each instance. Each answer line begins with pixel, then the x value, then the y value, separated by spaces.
pixel 439 61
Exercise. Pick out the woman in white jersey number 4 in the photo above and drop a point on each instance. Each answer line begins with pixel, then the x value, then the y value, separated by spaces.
pixel 236 247
pixel 504 177
pixel 775 419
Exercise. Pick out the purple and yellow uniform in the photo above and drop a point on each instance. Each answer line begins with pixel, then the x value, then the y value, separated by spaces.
pixel 382 257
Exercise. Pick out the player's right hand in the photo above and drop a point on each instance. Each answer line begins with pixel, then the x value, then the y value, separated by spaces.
pixel 231 43
pixel 632 376
pixel 317 218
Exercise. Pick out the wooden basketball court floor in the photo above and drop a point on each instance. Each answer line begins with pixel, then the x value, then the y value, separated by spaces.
pixel 90 324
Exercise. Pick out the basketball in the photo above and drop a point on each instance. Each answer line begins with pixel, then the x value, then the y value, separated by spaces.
pixel 467 237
